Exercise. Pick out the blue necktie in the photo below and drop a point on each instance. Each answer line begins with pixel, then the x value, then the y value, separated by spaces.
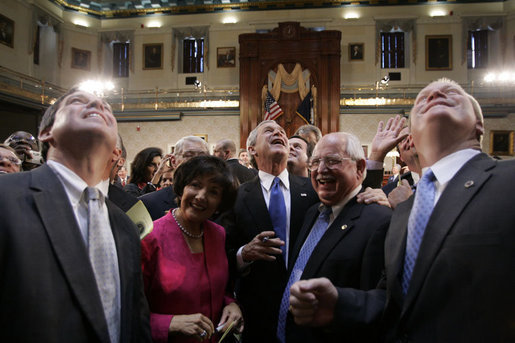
pixel 277 211
pixel 417 222
pixel 316 233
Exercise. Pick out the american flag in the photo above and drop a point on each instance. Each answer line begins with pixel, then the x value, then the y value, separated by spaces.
pixel 273 111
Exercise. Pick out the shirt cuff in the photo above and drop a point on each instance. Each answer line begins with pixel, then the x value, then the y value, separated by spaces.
pixel 239 260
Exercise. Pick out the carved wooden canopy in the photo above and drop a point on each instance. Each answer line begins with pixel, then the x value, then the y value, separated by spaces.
pixel 289 45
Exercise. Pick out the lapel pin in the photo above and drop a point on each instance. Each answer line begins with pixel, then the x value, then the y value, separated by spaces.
pixel 469 184
pixel 303 195
pixel 344 226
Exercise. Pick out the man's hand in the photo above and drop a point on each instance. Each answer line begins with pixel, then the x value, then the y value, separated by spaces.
pixel 400 193
pixel 262 247
pixel 371 195
pixel 312 302
pixel 386 138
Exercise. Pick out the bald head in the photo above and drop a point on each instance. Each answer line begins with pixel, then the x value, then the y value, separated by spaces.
pixel 225 149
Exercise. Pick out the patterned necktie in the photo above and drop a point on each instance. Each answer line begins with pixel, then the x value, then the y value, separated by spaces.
pixel 419 216
pixel 277 211
pixel 102 254
pixel 316 233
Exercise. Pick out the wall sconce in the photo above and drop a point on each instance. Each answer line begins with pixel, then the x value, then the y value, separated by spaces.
pixel 154 24
pixel 351 15
pixel 437 13
pixel 80 22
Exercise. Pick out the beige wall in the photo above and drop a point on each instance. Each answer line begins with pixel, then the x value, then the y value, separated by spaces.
pixel 365 72
pixel 166 133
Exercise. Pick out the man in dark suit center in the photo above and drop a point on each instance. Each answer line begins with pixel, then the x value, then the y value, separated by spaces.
pixel 69 258
pixel 449 253
pixel 262 229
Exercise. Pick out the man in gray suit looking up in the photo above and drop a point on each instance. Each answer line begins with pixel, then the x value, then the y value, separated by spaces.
pixel 70 259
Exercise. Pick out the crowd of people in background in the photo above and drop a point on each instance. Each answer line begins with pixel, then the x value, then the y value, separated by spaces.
pixel 291 239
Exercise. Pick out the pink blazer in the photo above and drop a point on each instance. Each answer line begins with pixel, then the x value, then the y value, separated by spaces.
pixel 179 282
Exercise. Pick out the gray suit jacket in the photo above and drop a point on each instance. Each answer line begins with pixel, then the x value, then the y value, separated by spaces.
pixel 462 284
pixel 48 291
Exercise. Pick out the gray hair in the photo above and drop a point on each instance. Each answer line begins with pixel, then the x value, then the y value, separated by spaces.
pixel 353 148
pixel 179 146
pixel 306 129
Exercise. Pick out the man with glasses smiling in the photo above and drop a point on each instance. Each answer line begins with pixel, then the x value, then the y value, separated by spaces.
pixel 341 240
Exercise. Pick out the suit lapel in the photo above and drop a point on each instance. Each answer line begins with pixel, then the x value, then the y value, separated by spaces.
pixel 309 220
pixel 125 261
pixel 458 193
pixel 298 196
pixel 256 206
pixel 64 235
pixel 395 247
pixel 334 234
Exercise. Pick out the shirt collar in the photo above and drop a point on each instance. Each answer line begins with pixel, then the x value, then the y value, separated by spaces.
pixel 73 183
pixel 339 206
pixel 445 169
pixel 268 179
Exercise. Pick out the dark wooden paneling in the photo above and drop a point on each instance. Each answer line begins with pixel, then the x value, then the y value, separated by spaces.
pixel 289 44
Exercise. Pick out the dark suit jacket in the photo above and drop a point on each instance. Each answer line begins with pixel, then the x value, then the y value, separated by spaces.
pixel 121 198
pixel 392 185
pixel 261 285
pixel 462 285
pixel 242 173
pixel 374 178
pixel 48 291
pixel 350 254
pixel 159 202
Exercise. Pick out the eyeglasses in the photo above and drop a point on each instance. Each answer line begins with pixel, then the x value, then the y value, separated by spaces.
pixel 331 162
pixel 11 159
pixel 26 138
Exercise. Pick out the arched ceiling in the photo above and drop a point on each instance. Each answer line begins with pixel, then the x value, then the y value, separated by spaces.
pixel 129 8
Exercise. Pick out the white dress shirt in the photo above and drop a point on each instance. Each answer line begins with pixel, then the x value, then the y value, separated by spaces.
pixel 266 180
pixel 447 167
pixel 74 187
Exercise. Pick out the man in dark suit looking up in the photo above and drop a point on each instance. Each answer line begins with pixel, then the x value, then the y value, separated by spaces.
pixel 341 239
pixel 448 268
pixel 69 259
pixel 257 245
pixel 226 150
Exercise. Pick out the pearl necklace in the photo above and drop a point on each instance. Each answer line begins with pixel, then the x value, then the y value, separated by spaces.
pixel 186 232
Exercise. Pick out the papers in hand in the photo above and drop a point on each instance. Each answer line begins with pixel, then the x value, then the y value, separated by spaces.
pixel 229 329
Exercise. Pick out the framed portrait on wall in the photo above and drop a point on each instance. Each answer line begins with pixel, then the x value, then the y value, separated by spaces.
pixel 439 52
pixel 356 51
pixel 6 31
pixel 81 59
pixel 201 135
pixel 153 56
pixel 501 143
pixel 226 57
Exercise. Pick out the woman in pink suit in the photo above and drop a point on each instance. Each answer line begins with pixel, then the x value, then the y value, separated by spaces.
pixel 184 263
